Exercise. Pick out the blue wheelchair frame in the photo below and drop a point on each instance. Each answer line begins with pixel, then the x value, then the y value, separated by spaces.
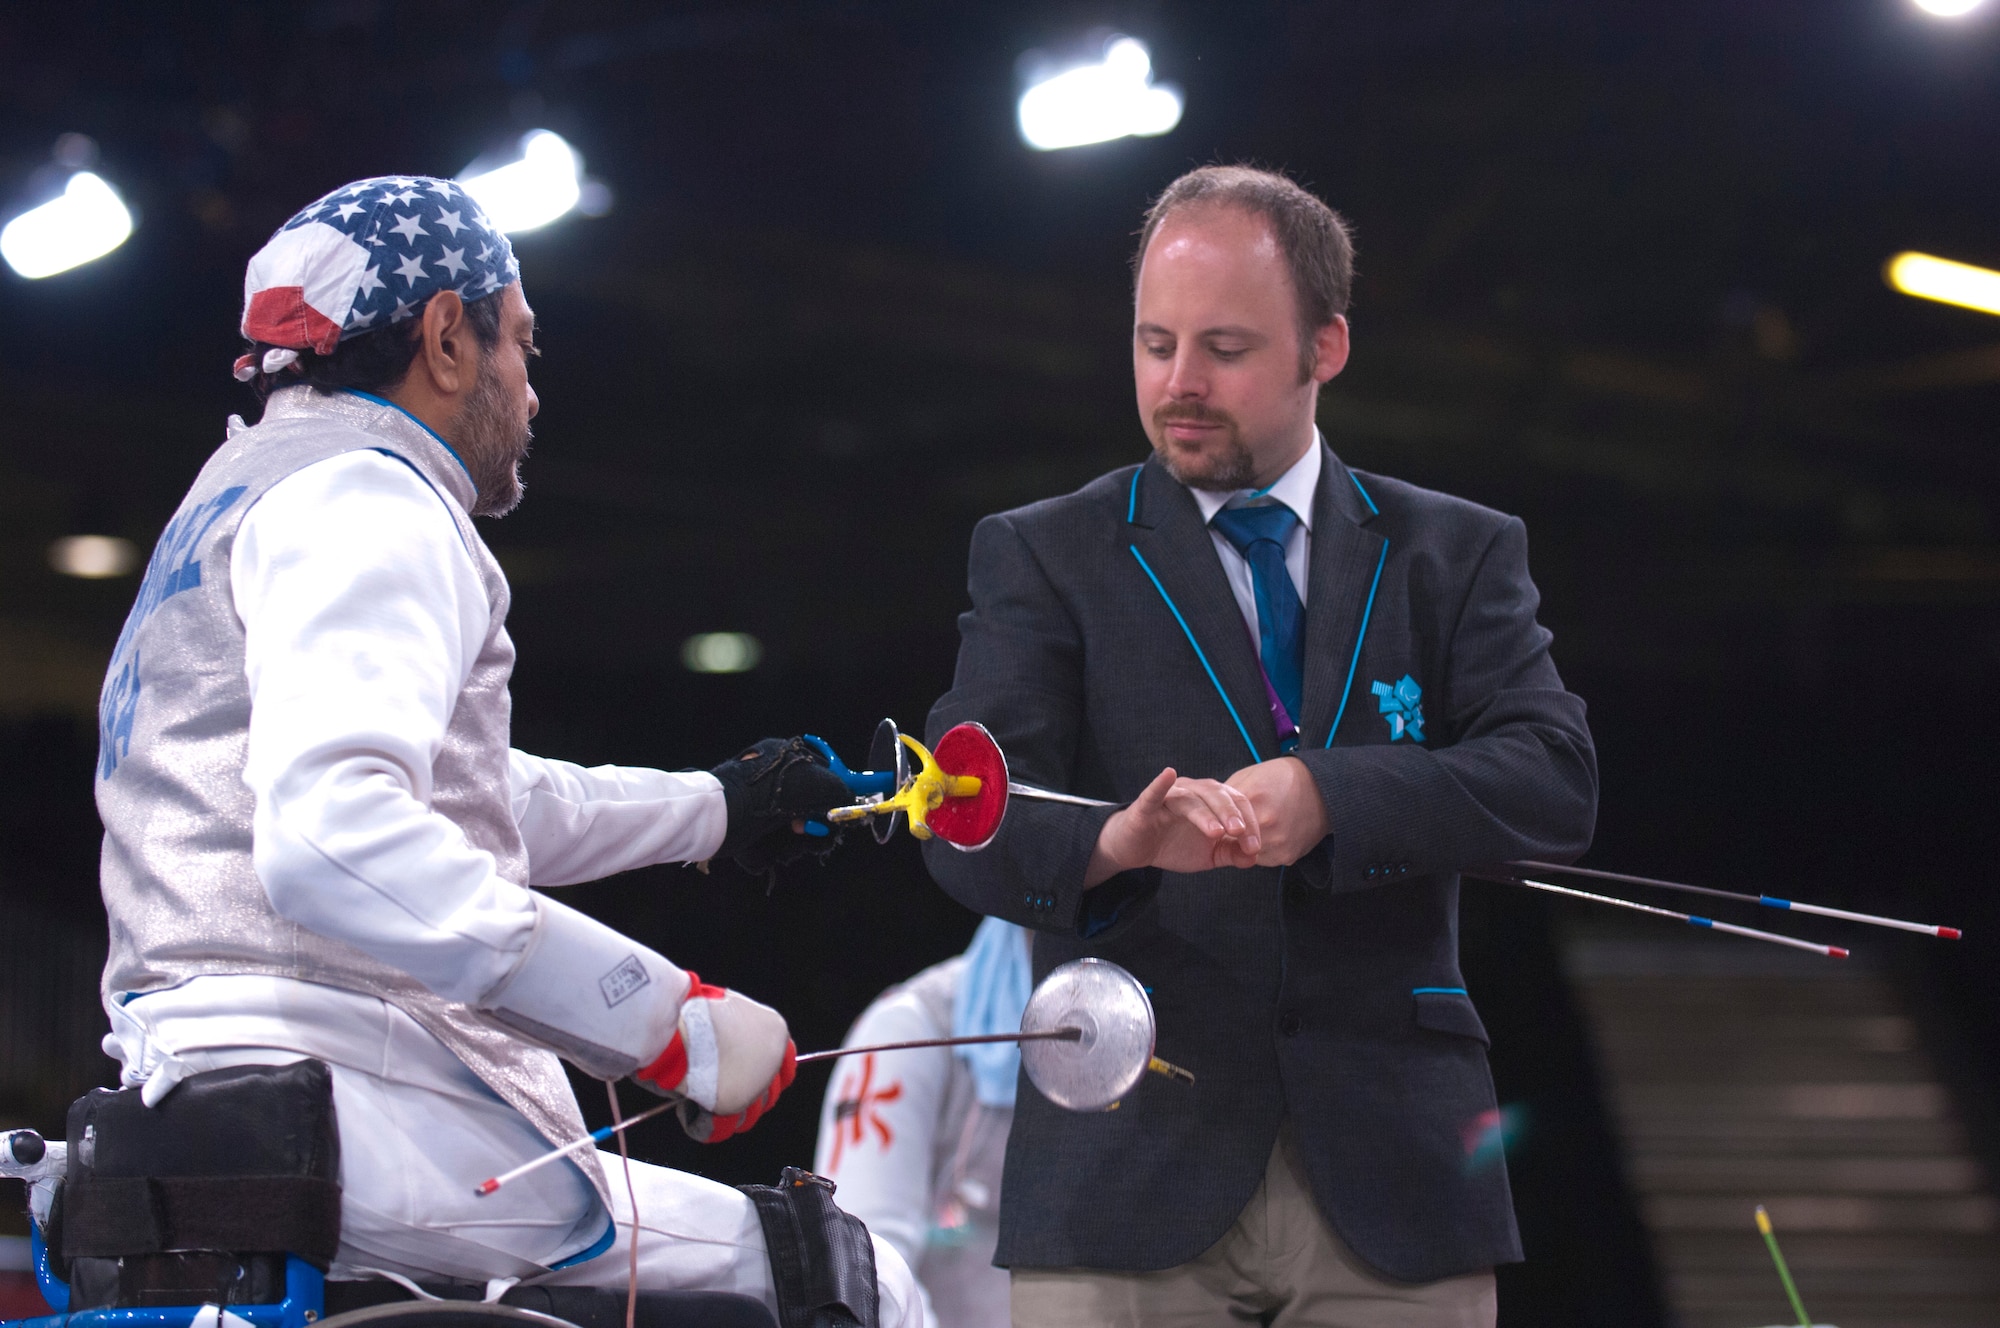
pixel 304 1302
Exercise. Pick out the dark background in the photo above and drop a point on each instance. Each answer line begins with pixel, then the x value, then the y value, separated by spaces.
pixel 1619 273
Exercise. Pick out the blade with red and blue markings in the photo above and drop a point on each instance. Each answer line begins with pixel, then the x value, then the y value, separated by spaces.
pixel 1766 901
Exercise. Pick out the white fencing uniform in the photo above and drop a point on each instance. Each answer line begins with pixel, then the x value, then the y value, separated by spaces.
pixel 356 759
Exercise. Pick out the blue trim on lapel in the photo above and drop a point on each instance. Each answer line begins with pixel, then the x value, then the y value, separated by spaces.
pixel 1189 633
pixel 1132 503
pixel 1366 613
pixel 1439 991
pixel 1372 508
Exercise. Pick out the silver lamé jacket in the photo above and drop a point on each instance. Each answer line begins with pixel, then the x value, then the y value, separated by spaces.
pixel 182 895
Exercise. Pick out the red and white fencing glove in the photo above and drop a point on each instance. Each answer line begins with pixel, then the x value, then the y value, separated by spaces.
pixel 729 1060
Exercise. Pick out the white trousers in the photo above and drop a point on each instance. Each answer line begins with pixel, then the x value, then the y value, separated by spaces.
pixel 696 1235
pixel 418 1131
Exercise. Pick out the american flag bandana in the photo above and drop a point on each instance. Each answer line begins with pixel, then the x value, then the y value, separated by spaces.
pixel 366 257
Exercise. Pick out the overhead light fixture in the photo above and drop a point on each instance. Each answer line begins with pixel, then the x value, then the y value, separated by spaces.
pixel 93 557
pixel 1115 98
pixel 1948 8
pixel 721 652
pixel 87 220
pixel 543 184
pixel 1931 278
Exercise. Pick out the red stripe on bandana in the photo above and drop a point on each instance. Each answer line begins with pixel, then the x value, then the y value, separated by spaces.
pixel 280 316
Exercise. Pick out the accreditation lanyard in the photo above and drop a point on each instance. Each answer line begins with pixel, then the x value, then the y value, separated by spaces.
pixel 1281 720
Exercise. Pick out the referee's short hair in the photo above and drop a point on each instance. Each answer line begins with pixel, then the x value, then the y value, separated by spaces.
pixel 1312 236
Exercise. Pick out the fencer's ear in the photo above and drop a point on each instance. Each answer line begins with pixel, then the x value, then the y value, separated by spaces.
pixel 449 354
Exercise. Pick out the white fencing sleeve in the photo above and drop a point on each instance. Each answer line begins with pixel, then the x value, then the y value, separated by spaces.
pixel 583 824
pixel 879 1122
pixel 594 996
pixel 362 613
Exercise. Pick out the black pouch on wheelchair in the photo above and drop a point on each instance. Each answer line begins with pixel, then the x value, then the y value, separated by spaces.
pixel 200 1198
pixel 822 1261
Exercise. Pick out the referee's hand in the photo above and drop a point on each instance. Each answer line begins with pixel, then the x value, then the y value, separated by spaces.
pixel 1178 825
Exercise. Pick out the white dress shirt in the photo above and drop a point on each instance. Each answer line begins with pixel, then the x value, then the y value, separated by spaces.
pixel 1295 489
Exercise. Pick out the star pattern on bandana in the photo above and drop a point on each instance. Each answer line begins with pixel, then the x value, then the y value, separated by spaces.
pixel 429 233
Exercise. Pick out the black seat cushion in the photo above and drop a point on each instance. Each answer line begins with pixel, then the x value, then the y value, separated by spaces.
pixel 201 1197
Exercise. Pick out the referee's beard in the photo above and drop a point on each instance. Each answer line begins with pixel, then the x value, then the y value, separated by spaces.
pixel 1222 464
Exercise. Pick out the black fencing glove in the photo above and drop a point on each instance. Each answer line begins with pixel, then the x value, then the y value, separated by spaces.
pixel 766 788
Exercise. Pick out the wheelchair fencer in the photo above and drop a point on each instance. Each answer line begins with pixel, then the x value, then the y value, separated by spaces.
pixel 220 1206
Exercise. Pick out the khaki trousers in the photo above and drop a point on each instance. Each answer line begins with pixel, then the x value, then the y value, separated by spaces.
pixel 1280 1264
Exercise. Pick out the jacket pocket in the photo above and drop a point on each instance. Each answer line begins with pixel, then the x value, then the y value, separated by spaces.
pixel 1446 1011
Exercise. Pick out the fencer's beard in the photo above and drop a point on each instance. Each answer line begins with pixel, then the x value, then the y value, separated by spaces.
pixel 1221 469
pixel 492 436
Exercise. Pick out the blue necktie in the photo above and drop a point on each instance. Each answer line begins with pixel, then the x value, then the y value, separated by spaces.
pixel 1260 535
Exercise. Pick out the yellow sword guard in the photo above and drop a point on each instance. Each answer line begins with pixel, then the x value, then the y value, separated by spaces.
pixel 922 794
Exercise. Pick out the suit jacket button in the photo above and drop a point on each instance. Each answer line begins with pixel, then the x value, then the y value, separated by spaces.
pixel 1289 1024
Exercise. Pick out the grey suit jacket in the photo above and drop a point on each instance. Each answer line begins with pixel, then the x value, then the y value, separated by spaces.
pixel 1103 643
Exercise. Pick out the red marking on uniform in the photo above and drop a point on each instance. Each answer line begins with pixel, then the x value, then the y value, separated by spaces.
pixel 856 1108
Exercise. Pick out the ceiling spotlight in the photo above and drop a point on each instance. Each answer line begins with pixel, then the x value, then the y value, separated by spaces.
pixel 544 183
pixel 93 557
pixel 721 652
pixel 1100 102
pixel 87 220
pixel 1948 8
pixel 1931 278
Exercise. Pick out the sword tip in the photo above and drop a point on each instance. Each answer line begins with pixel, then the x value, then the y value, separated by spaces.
pixel 1835 952
pixel 1949 933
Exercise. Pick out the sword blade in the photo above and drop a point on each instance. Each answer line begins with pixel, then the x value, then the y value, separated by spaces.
pixel 1765 901
pixel 1829 951
pixel 1046 1035
pixel 1050 795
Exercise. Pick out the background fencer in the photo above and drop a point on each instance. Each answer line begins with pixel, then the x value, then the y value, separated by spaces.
pixel 916 1139
pixel 317 840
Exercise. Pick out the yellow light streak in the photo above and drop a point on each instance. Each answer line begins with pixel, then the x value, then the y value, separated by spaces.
pixel 1929 277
